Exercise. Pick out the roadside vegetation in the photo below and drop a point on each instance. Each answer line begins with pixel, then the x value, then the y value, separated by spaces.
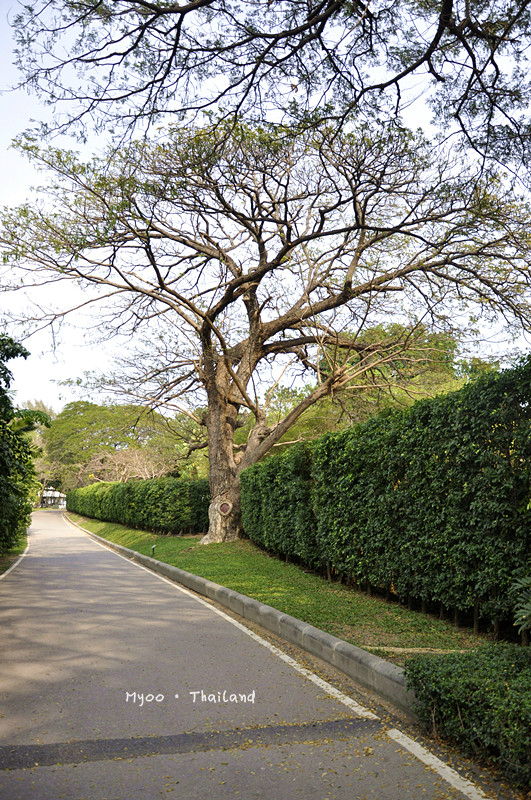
pixel 19 488
pixel 428 505
pixel 481 701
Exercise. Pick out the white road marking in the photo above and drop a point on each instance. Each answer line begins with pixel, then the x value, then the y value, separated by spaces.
pixel 452 777
pixel 17 562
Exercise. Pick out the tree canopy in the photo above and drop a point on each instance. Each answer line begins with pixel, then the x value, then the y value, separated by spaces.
pixel 9 349
pixel 251 254
pixel 130 61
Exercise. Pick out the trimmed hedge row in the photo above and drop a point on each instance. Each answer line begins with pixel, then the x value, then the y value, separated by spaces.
pixel 277 508
pixel 161 505
pixel 481 700
pixel 429 504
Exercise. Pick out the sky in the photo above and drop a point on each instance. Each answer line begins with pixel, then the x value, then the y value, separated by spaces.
pixel 35 378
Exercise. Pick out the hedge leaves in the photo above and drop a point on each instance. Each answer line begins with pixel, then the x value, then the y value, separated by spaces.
pixel 161 505
pixel 429 503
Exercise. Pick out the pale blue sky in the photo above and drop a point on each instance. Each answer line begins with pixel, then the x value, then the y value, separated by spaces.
pixel 33 378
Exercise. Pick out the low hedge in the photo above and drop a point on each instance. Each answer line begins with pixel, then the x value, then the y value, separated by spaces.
pixel 480 700
pixel 161 505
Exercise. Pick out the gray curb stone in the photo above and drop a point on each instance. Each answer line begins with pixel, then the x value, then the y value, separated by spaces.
pixel 370 671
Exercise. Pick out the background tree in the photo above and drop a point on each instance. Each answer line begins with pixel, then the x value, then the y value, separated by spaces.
pixel 127 61
pixel 432 366
pixel 41 465
pixel 436 369
pixel 87 442
pixel 250 255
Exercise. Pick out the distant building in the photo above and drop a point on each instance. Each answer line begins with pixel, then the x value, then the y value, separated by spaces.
pixel 51 498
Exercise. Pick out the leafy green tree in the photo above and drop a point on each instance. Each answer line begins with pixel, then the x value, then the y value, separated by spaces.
pixel 9 349
pixel 247 254
pixel 18 485
pixel 430 366
pixel 36 437
pixel 87 442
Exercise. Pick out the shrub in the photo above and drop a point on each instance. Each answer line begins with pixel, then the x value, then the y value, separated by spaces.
pixel 481 700
pixel 19 488
pixel 17 478
pixel 522 611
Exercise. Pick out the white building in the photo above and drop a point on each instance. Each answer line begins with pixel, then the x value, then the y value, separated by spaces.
pixel 51 498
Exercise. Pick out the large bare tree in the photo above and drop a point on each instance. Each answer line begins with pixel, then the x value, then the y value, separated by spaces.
pixel 248 254
pixel 133 60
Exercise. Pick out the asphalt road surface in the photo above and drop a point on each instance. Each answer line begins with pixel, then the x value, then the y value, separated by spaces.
pixel 116 684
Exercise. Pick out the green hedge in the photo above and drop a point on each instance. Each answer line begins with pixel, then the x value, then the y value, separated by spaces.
pixel 161 505
pixel 481 700
pixel 429 503
pixel 277 506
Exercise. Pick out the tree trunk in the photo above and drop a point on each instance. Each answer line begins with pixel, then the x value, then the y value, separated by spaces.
pixel 224 516
pixel 476 618
pixel 224 512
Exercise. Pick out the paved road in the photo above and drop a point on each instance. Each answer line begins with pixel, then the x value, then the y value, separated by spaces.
pixel 117 685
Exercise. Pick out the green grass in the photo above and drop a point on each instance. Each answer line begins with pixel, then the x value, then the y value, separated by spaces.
pixel 368 622
pixel 12 554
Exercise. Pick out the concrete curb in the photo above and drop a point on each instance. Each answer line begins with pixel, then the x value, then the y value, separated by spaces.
pixel 370 671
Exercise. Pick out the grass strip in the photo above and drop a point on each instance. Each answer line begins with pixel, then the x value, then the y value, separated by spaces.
pixel 7 559
pixel 368 622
